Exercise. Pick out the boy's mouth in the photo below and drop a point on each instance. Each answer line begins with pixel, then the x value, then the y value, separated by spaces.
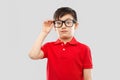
pixel 64 31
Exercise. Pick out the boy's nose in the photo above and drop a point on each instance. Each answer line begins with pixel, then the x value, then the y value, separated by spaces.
pixel 63 26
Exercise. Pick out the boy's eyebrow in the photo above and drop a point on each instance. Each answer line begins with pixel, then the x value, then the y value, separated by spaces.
pixel 64 20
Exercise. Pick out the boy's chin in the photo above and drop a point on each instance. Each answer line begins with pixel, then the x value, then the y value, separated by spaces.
pixel 65 37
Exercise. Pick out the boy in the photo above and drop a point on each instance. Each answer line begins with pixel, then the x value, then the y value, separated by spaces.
pixel 68 59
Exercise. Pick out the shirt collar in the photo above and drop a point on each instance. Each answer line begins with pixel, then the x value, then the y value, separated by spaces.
pixel 72 42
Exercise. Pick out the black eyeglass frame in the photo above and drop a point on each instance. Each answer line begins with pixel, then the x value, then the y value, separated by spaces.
pixel 74 21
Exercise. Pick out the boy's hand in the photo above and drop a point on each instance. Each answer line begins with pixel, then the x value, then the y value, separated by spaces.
pixel 47 26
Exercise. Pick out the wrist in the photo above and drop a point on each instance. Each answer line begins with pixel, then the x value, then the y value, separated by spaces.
pixel 44 33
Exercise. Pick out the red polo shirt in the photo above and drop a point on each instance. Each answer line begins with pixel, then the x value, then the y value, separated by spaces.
pixel 66 61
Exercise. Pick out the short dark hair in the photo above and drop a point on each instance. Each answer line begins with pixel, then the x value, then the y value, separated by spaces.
pixel 60 12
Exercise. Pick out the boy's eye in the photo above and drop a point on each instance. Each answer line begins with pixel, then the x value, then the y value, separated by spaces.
pixel 58 22
pixel 69 22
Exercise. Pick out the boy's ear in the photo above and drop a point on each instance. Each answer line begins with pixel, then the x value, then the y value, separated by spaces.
pixel 76 25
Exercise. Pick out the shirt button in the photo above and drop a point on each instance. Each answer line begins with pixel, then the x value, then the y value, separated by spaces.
pixel 62 44
pixel 63 49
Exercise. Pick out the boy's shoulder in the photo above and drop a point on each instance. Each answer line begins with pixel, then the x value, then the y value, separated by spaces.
pixel 82 44
pixel 49 43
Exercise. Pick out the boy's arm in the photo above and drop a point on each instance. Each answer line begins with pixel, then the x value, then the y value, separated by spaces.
pixel 36 52
pixel 87 74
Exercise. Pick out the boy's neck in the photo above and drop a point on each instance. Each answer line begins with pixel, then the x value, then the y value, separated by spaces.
pixel 65 40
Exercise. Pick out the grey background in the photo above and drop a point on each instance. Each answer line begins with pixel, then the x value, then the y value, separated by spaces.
pixel 21 22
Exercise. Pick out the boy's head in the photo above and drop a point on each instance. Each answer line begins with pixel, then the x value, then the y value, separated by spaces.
pixel 60 12
pixel 65 22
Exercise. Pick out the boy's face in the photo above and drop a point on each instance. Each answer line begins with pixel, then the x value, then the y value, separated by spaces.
pixel 66 30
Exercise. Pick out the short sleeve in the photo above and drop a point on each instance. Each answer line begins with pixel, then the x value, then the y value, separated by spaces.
pixel 87 60
pixel 44 48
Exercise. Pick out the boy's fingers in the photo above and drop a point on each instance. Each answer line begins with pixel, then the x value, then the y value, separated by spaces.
pixel 48 22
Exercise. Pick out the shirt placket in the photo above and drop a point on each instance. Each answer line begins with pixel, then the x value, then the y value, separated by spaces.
pixel 63 47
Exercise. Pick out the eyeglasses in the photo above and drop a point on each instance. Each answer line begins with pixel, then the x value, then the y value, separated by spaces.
pixel 68 23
